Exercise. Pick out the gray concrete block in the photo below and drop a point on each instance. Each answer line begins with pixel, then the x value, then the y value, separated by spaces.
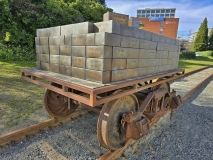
pixel 164 61
pixel 155 37
pixel 54 40
pixel 119 52
pixel 125 41
pixel 82 28
pixel 67 29
pixel 38 57
pixel 152 54
pixel 79 40
pixel 44 32
pixel 65 60
pixel 153 45
pixel 45 58
pixel 143 53
pixel 160 68
pixel 169 61
pixel 78 51
pixel 132 63
pixel 54 67
pixel 134 43
pixel 38 51
pixel 150 70
pixel 118 64
pixel 116 40
pixel 98 51
pixel 61 40
pixel 133 23
pixel 122 18
pixel 44 41
pixel 78 62
pixel 78 72
pixel 107 26
pixel 98 76
pixel 55 31
pixel 151 63
pixel 90 39
pixel 44 49
pixel 177 42
pixel 167 41
pixel 38 65
pixel 54 59
pixel 103 38
pixel 67 40
pixel 131 73
pixel 162 39
pixel 118 75
pixel 142 63
pixel 37 41
pixel 165 54
pixel 65 50
pixel 159 54
pixel 99 64
pixel 133 53
pixel 142 71
pixel 147 35
pixel 45 66
pixel 65 70
pixel 125 30
pixel 137 33
pixel 156 69
pixel 54 49
pixel 144 44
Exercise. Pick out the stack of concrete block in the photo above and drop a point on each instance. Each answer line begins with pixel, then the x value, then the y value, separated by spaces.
pixel 106 51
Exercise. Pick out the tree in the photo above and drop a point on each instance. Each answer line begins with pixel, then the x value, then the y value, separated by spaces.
pixel 211 40
pixel 201 40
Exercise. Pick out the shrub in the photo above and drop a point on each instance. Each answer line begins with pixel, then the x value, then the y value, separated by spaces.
pixel 187 55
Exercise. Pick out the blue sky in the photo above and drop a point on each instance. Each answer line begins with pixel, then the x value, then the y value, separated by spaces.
pixel 190 12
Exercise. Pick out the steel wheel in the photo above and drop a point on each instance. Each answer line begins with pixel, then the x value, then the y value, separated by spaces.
pixel 163 85
pixel 56 104
pixel 110 133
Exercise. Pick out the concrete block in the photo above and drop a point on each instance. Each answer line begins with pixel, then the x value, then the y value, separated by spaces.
pixel 65 70
pixel 54 59
pixel 107 26
pixel 78 51
pixel 160 62
pixel 37 42
pixel 167 41
pixel 160 68
pixel 82 28
pixel 38 64
pixel 150 70
pixel 38 49
pixel 78 72
pixel 164 62
pixel 143 53
pixel 45 66
pixel 44 40
pixel 99 64
pixel 137 33
pixel 54 40
pixel 55 31
pixel 65 50
pixel 122 18
pixel 98 51
pixel 132 63
pixel 176 54
pixel 61 40
pixel 165 54
pixel 147 35
pixel 54 49
pixel 133 23
pixel 67 29
pixel 151 63
pixel 142 71
pixel 119 52
pixel 155 37
pixel 78 62
pixel 79 40
pixel 125 41
pixel 156 69
pixel 177 42
pixel 169 61
pixel 118 64
pixel 144 44
pixel 54 67
pixel 38 57
pixel 132 73
pixel 118 75
pixel 162 39
pixel 44 49
pixel 126 30
pixel 157 62
pixel 134 43
pixel 107 39
pixel 67 40
pixel 153 45
pixel 44 32
pixel 142 63
pixel 116 40
pixel 98 76
pixel 151 53
pixel 166 47
pixel 159 54
pixel 173 41
pixel 90 39
pixel 160 46
pixel 45 58
pixel 65 60
pixel 133 53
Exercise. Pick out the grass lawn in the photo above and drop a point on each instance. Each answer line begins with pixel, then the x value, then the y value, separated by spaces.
pixel 199 62
pixel 18 98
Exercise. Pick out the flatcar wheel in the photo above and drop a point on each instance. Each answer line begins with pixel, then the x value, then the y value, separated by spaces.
pixel 165 85
pixel 110 133
pixel 56 104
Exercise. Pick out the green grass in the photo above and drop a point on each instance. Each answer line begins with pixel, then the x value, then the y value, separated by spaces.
pixel 200 62
pixel 18 98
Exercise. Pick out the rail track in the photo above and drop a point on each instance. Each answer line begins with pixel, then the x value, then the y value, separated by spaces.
pixel 31 131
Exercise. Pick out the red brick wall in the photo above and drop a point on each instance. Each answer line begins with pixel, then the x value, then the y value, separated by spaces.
pixel 170 26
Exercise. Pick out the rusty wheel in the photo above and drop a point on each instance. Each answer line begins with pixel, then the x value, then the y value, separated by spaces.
pixel 163 85
pixel 56 104
pixel 110 133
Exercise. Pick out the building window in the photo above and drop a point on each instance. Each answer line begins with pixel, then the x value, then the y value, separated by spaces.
pixel 167 11
pixel 172 15
pixel 161 15
pixel 152 11
pixel 162 11
pixel 138 12
pixel 152 15
pixel 143 11
pixel 147 15
pixel 172 11
pixel 161 31
pixel 143 16
pixel 157 15
pixel 167 15
pixel 157 11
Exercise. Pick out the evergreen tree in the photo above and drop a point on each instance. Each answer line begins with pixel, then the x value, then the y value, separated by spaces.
pixel 211 40
pixel 201 40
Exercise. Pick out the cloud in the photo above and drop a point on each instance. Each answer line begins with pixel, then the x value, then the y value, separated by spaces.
pixel 190 12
